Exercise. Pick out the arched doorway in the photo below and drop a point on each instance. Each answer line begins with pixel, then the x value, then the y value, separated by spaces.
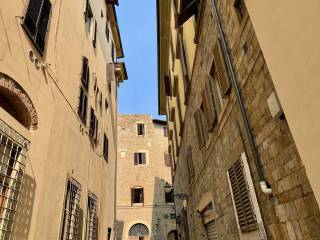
pixel 15 101
pixel 139 231
pixel 172 235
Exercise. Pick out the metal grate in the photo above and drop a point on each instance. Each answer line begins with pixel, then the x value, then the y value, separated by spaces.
pixel 92 217
pixel 12 166
pixel 241 196
pixel 71 211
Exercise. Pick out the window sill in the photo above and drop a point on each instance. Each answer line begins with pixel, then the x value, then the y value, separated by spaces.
pixel 137 204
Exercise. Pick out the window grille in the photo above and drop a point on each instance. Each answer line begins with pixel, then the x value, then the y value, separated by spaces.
pixel 139 230
pixel 12 165
pixel 70 226
pixel 92 218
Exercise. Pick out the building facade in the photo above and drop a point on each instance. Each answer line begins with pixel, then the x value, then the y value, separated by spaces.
pixel 238 152
pixel 145 208
pixel 58 112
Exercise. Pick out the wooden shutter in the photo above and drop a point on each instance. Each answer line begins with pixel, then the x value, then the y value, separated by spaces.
pixel 212 233
pixel 116 2
pixel 85 7
pixel 85 72
pixel 167 85
pixel 209 108
pixel 94 33
pixel 221 70
pixel 188 9
pixel 143 158
pixel 241 197
pixel 190 162
pixel 132 195
pixel 197 121
pixel 141 196
pixel 43 25
pixel 31 18
pixel 183 61
pixel 136 159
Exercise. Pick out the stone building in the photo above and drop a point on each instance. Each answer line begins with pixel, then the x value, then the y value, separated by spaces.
pixel 58 112
pixel 145 208
pixel 239 154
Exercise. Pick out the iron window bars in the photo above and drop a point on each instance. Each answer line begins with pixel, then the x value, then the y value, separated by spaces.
pixel 13 148
pixel 71 211
pixel 92 219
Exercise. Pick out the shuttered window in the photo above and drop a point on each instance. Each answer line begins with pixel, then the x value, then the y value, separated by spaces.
pixel 167 159
pixel 137 195
pixel 190 163
pixel 167 85
pixel 83 102
pixel 183 60
pixel 140 129
pixel 201 126
pixel 220 68
pixel 209 107
pixel 36 22
pixel 94 34
pixel 105 147
pixel 241 197
pixel 85 74
pixel 140 158
pixel 188 9
pixel 94 125
pixel 211 228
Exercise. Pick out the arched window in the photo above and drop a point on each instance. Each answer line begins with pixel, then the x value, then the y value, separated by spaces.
pixel 172 235
pixel 139 230
pixel 15 101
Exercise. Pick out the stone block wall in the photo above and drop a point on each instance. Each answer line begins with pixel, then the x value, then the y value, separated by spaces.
pixel 291 212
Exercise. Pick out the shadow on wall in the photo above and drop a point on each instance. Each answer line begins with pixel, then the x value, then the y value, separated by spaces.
pixel 118 229
pixel 24 209
pixel 161 222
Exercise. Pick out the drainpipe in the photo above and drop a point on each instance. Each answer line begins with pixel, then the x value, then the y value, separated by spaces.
pixel 234 81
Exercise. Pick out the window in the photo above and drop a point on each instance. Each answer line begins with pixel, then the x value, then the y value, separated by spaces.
pixel 71 210
pixel 211 229
pixel 105 147
pixel 169 196
pixel 93 125
pixel 240 8
pixel 167 160
pixel 88 17
pixel 107 31
pixel 12 165
pixel 140 129
pixel 190 162
pixel 85 74
pixel 219 71
pixel 201 126
pixel 139 231
pixel 94 34
pixel 209 106
pixel 180 115
pixel 139 158
pixel 241 197
pixel 112 52
pixel 172 216
pixel 167 85
pixel 36 22
pixel 137 195
pixel 188 9
pixel 184 67
pixel 109 233
pixel 165 131
pixel 92 219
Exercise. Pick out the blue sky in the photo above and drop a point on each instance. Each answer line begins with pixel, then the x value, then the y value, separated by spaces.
pixel 137 23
